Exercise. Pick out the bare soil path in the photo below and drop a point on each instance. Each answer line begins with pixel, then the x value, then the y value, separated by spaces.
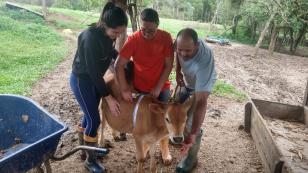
pixel 225 146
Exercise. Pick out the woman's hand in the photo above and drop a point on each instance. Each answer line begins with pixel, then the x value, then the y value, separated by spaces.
pixel 127 95
pixel 155 92
pixel 113 105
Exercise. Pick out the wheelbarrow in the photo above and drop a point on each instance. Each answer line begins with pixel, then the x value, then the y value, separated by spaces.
pixel 280 133
pixel 29 136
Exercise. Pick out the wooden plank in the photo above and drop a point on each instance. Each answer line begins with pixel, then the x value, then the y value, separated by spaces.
pixel 305 103
pixel 15 6
pixel 306 115
pixel 279 110
pixel 247 116
pixel 265 144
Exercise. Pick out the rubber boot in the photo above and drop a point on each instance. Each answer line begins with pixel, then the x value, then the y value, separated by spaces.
pixel 189 162
pixel 91 163
pixel 83 156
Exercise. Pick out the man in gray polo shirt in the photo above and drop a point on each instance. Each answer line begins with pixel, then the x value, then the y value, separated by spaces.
pixel 195 73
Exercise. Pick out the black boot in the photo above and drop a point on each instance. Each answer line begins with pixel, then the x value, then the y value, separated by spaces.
pixel 91 163
pixel 189 162
pixel 83 156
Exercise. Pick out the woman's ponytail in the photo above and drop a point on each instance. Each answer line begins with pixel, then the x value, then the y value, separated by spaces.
pixel 107 7
pixel 112 17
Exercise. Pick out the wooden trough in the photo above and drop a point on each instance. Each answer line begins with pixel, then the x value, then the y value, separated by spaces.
pixel 280 133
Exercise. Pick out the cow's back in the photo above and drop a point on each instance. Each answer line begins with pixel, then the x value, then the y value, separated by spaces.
pixel 123 122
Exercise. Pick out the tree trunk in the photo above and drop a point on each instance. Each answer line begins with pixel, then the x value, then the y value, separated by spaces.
pixel 234 23
pixel 273 40
pixel 291 40
pixel 132 11
pixel 121 40
pixel 215 17
pixel 302 31
pixel 44 8
pixel 262 34
pixel 253 32
pixel 284 40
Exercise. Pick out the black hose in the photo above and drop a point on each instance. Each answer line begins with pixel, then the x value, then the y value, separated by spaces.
pixel 81 147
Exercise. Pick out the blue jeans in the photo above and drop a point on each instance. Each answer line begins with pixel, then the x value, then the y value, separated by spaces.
pixel 164 96
pixel 88 99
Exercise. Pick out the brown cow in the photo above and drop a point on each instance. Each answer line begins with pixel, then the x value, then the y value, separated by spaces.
pixel 154 121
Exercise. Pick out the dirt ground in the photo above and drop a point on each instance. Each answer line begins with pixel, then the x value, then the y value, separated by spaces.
pixel 225 146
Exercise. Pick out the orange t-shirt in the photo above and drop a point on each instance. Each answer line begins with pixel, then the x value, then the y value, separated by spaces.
pixel 148 57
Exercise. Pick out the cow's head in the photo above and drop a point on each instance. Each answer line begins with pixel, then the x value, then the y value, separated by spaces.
pixel 175 116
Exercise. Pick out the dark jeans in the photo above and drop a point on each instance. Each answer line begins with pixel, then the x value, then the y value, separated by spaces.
pixel 164 96
pixel 182 94
pixel 88 99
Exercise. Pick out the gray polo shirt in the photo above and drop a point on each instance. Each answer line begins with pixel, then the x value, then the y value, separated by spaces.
pixel 199 72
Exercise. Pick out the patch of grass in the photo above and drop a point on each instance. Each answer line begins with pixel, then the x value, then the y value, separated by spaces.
pixel 222 88
pixel 28 50
pixel 75 20
pixel 80 20
pixel 240 36
pixel 174 26
pixel 63 18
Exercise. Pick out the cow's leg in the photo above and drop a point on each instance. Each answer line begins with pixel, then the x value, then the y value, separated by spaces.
pixel 101 142
pixel 164 147
pixel 153 167
pixel 115 135
pixel 141 154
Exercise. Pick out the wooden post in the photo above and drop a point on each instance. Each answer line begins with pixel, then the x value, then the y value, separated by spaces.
pixel 305 103
pixel 44 8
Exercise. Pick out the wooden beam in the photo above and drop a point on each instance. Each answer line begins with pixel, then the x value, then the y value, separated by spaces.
pixel 264 142
pixel 306 95
pixel 17 7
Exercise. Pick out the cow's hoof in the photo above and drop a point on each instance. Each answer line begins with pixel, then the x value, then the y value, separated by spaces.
pixel 106 144
pixel 167 160
pixel 122 137
pixel 116 138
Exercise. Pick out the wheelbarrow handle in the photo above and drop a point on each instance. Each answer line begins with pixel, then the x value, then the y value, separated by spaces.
pixel 81 147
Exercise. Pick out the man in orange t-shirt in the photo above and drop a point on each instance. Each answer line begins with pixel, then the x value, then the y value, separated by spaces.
pixel 152 54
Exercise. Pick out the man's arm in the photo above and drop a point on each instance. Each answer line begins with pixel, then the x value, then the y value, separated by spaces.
pixel 200 110
pixel 120 75
pixel 168 64
pixel 199 114
pixel 178 73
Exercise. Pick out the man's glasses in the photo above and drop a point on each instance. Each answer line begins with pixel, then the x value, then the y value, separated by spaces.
pixel 148 31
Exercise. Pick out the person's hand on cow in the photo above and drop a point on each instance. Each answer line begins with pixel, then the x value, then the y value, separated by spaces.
pixel 127 95
pixel 188 142
pixel 155 92
pixel 113 105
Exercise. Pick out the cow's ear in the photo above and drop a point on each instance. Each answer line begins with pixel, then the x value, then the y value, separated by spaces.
pixel 157 108
pixel 188 102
